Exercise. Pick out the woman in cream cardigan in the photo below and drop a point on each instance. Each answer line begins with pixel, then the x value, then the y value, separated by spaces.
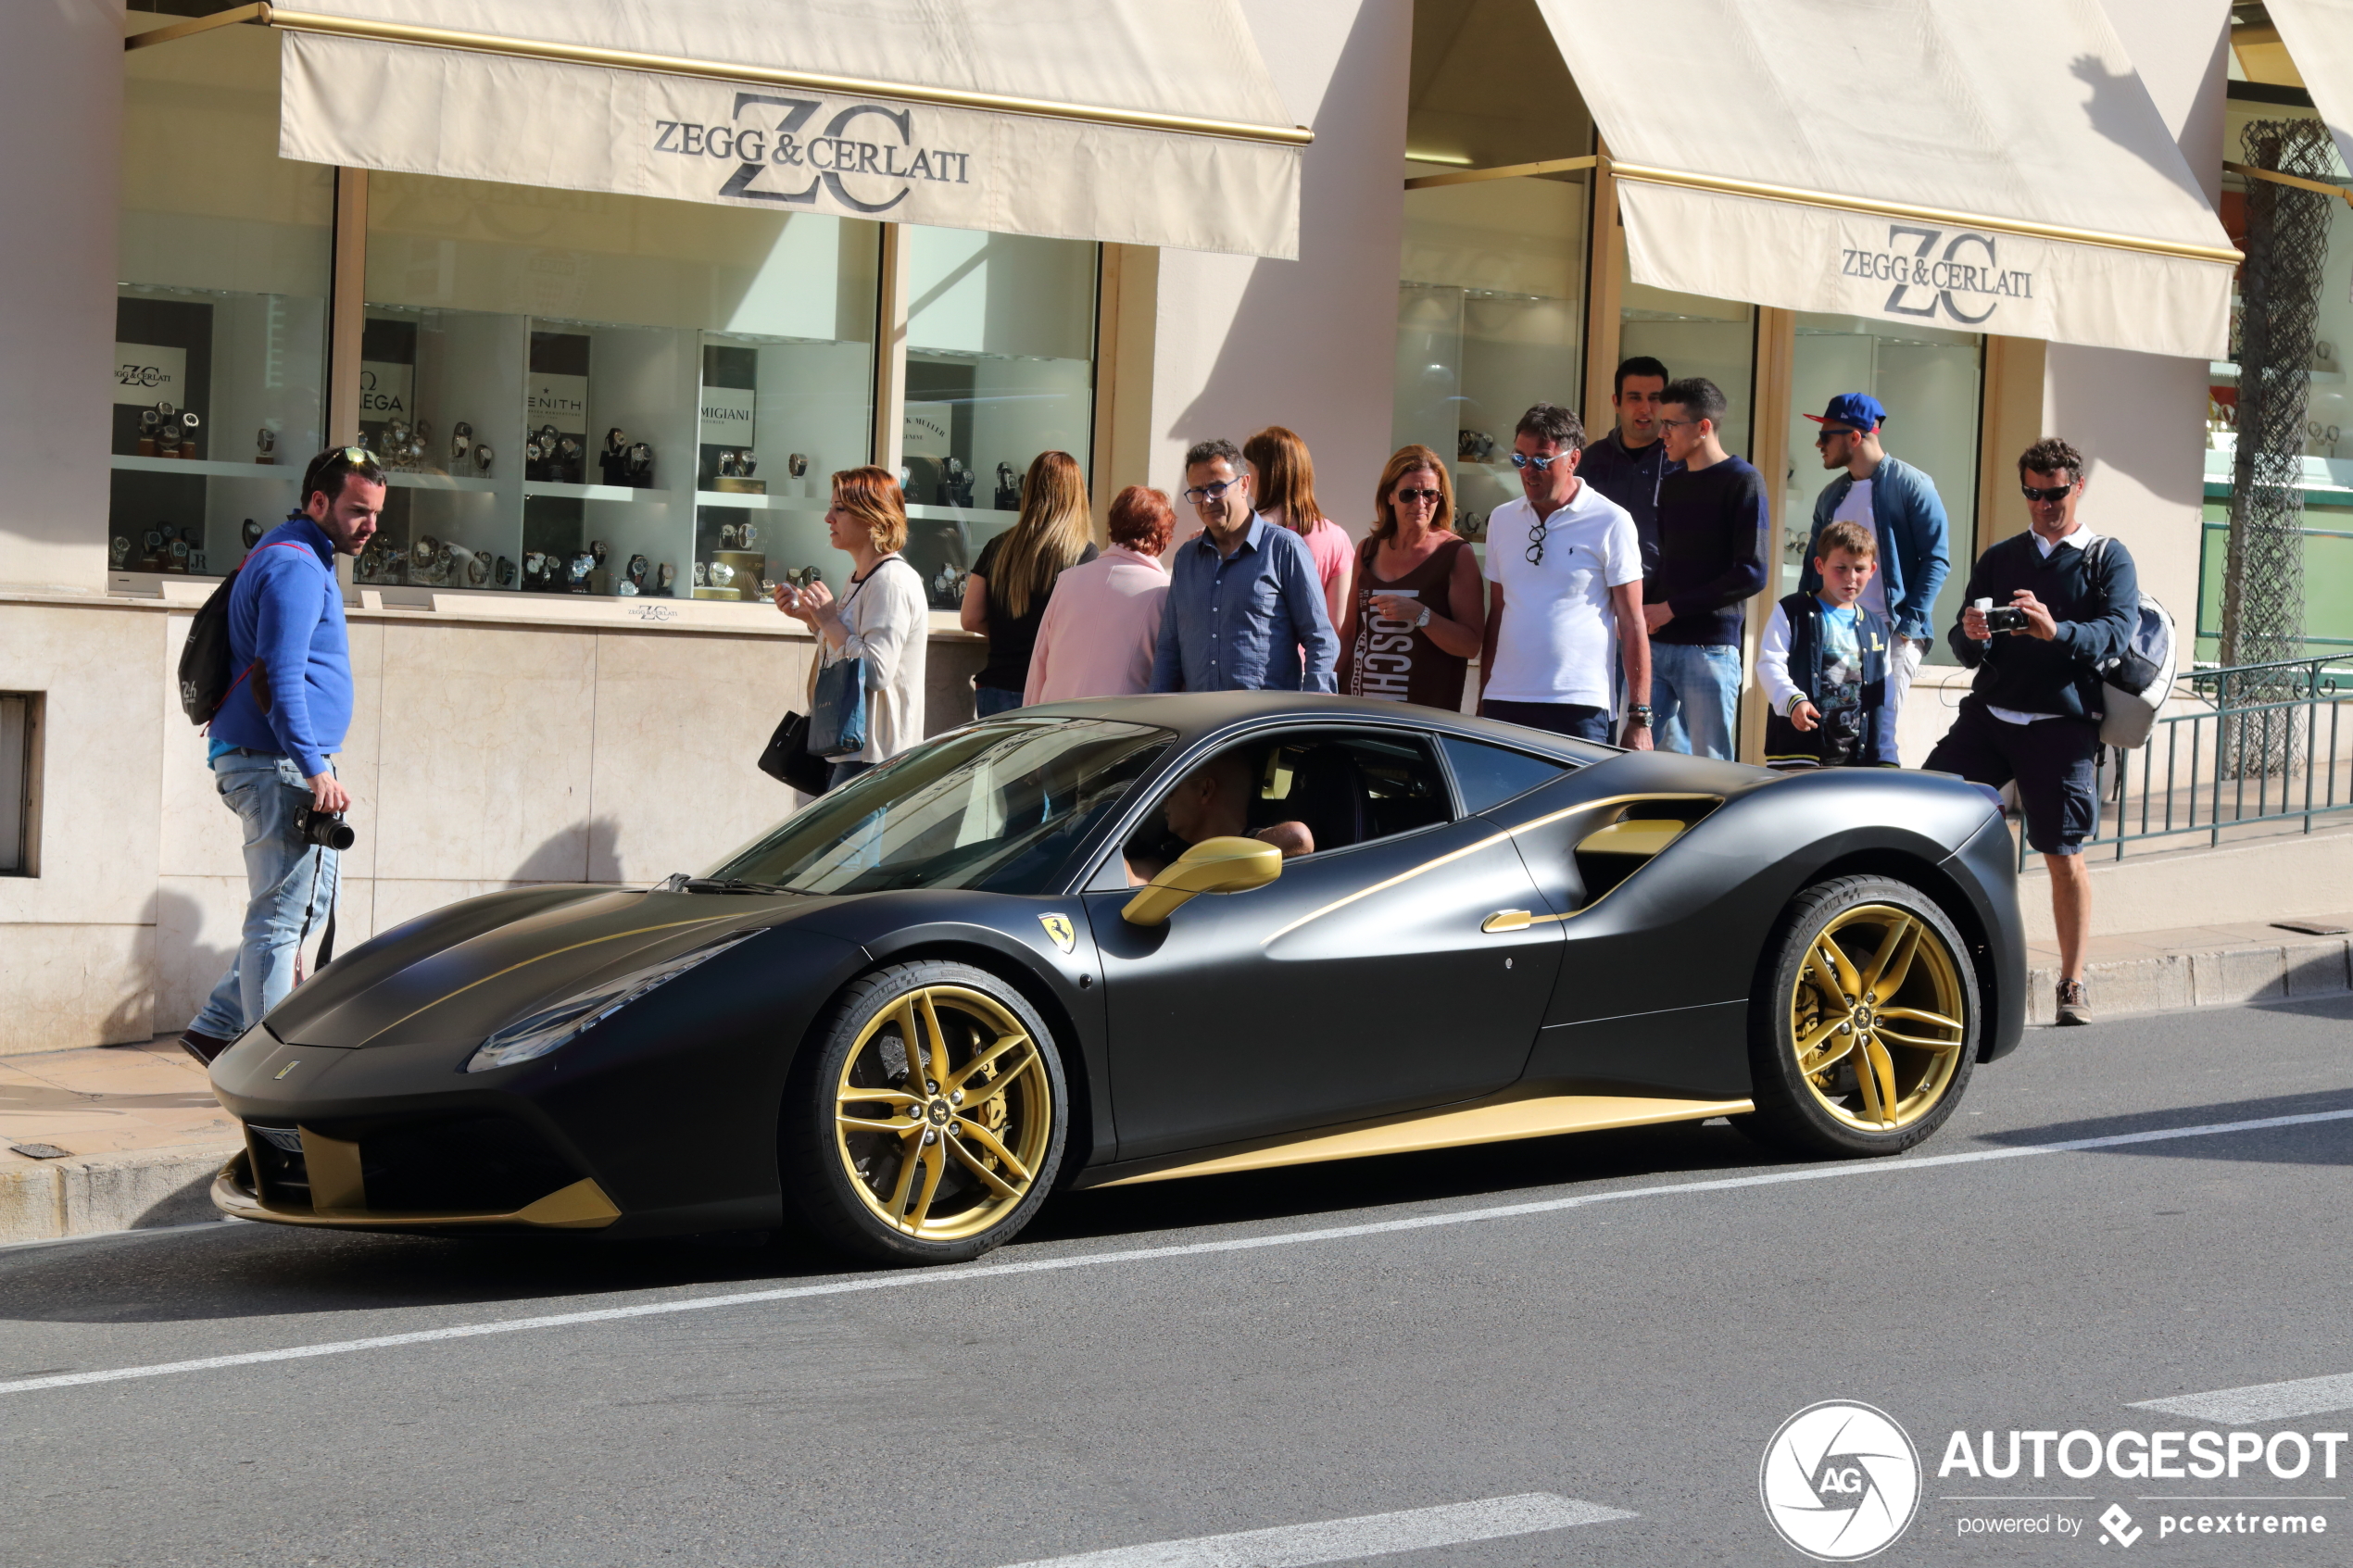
pixel 883 618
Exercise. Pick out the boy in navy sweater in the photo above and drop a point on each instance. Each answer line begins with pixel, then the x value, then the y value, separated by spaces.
pixel 1824 664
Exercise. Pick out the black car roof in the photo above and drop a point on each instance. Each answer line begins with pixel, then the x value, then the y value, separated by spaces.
pixel 1198 715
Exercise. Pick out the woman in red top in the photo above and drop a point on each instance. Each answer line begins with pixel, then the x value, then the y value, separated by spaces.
pixel 1418 614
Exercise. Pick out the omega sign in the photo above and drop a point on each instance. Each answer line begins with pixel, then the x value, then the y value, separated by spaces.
pixel 1958 273
pixel 858 155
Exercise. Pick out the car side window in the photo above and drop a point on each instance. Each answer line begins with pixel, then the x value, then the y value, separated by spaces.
pixel 1489 775
pixel 1307 792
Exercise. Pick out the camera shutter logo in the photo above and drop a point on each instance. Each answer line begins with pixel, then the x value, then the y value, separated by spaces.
pixel 1840 1481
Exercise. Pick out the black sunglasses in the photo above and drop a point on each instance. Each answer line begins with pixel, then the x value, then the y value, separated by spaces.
pixel 2051 496
pixel 1411 495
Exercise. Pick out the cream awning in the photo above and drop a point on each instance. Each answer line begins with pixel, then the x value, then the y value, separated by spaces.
pixel 1127 120
pixel 1984 165
pixel 2318 36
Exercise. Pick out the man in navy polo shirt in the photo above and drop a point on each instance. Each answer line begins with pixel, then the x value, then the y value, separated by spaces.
pixel 284 719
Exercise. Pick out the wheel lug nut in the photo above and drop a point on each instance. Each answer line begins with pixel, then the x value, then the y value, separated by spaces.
pixel 957 1099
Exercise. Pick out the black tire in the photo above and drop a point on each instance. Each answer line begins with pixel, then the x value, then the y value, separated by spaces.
pixel 981 1163
pixel 1801 985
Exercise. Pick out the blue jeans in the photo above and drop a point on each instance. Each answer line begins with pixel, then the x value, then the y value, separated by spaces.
pixel 840 773
pixel 289 883
pixel 1695 697
pixel 989 701
pixel 1575 720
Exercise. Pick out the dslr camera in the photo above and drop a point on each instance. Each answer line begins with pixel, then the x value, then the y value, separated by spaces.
pixel 325 829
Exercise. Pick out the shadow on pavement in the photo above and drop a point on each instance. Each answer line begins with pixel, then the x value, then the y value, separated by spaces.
pixel 2320 1143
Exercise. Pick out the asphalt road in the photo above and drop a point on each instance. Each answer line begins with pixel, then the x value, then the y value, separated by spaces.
pixel 1635 1351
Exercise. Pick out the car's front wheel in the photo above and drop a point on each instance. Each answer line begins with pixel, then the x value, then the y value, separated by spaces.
pixel 926 1119
pixel 1864 1025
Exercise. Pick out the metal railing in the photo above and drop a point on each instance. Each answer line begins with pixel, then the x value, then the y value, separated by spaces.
pixel 2264 743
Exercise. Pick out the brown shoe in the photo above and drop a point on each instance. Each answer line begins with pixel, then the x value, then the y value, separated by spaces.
pixel 204 1048
pixel 2074 1005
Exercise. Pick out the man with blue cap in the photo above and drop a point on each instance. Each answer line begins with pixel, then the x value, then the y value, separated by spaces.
pixel 1899 504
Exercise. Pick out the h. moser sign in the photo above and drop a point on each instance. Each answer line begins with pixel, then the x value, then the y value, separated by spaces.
pixel 369 103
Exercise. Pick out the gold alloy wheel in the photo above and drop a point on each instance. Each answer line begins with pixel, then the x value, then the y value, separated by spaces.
pixel 944 1113
pixel 1876 1017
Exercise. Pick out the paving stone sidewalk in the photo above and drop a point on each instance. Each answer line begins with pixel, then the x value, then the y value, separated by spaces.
pixel 129 1137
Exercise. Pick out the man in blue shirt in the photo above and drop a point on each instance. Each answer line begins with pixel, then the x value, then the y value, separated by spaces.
pixel 282 721
pixel 1243 601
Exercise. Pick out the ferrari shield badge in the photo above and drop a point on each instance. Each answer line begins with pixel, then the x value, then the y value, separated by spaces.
pixel 1058 928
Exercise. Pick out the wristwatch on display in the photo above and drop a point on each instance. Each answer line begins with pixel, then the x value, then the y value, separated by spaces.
pixel 1640 713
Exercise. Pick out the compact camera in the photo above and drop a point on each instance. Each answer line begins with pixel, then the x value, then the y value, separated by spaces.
pixel 2008 619
pixel 325 829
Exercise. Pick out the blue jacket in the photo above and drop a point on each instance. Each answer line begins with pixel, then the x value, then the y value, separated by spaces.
pixel 1631 480
pixel 1240 622
pixel 1913 557
pixel 286 612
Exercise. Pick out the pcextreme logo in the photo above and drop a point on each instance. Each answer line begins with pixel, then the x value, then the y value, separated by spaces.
pixel 1840 1481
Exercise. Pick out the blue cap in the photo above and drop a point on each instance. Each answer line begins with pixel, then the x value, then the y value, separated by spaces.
pixel 1859 409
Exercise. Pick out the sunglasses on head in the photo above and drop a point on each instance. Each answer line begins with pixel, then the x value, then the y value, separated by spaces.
pixel 2050 496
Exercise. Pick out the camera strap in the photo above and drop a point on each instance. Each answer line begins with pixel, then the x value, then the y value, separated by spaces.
pixel 309 909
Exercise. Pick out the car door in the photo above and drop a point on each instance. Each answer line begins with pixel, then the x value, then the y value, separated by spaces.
pixel 1360 983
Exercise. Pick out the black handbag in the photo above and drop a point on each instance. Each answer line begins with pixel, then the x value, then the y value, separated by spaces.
pixel 787 757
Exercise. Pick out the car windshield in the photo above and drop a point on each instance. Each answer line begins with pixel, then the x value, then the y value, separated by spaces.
pixel 1001 806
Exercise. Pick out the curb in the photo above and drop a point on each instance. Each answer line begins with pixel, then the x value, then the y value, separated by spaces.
pixel 2222 976
pixel 92 1195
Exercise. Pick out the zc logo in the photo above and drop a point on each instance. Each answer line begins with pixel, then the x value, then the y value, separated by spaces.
pixel 1936 270
pixel 833 158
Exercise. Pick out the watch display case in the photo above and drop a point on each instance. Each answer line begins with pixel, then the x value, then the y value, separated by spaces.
pixel 1000 367
pixel 591 409
pixel 220 309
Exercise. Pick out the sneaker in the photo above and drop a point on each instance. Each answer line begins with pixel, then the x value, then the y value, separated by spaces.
pixel 204 1048
pixel 2074 1005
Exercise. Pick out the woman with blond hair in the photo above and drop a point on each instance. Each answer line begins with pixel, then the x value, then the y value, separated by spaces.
pixel 883 618
pixel 1006 593
pixel 1418 612
pixel 1285 492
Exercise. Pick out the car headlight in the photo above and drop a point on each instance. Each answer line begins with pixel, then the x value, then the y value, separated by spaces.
pixel 560 1024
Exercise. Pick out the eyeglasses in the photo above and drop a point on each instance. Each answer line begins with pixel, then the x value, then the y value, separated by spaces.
pixel 2051 496
pixel 1676 424
pixel 1200 493
pixel 1522 461
pixel 1412 497
pixel 1829 431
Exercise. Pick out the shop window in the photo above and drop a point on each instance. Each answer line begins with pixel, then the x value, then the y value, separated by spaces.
pixel 1491 275
pixel 19 784
pixel 604 395
pixel 222 303
pixel 1691 336
pixel 1001 367
pixel 1931 382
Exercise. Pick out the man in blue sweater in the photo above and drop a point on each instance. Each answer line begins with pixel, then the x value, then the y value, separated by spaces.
pixel 284 719
pixel 2033 713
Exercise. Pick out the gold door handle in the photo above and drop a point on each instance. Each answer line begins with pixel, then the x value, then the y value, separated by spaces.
pixel 1507 920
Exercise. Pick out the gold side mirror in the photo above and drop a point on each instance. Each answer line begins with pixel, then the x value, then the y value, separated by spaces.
pixel 1214 865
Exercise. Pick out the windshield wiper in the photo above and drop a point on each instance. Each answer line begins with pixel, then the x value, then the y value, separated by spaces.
pixel 681 882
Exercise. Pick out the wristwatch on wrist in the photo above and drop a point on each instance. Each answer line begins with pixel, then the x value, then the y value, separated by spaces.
pixel 1422 620
pixel 1640 713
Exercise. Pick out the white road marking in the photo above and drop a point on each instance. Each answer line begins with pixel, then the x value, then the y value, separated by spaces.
pixel 1344 1540
pixel 2261 1401
pixel 954 1274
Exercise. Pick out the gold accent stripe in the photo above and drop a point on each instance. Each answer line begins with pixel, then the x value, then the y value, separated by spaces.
pixel 580 1207
pixel 671 64
pixel 1493 1121
pixel 334 1168
pixel 535 958
pixel 1501 172
pixel 1409 875
pixel 2249 171
pixel 1795 195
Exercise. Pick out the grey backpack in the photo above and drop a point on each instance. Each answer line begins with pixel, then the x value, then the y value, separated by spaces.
pixel 2135 683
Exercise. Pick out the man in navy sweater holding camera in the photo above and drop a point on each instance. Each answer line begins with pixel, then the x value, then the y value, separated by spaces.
pixel 285 716
pixel 2046 611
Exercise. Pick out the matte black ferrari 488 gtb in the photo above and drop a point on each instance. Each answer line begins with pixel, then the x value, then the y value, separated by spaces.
pixel 1129 941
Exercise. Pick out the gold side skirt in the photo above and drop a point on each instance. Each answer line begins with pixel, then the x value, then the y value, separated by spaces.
pixel 582 1206
pixel 1494 1120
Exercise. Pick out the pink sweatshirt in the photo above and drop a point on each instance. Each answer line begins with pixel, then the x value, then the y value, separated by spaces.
pixel 1099 628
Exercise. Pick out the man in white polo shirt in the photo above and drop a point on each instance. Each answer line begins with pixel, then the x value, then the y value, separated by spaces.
pixel 1565 582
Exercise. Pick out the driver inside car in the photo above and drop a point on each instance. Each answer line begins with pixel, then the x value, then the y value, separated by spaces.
pixel 1213 801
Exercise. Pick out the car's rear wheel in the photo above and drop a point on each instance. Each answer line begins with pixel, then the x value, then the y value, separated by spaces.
pixel 1864 1025
pixel 926 1120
